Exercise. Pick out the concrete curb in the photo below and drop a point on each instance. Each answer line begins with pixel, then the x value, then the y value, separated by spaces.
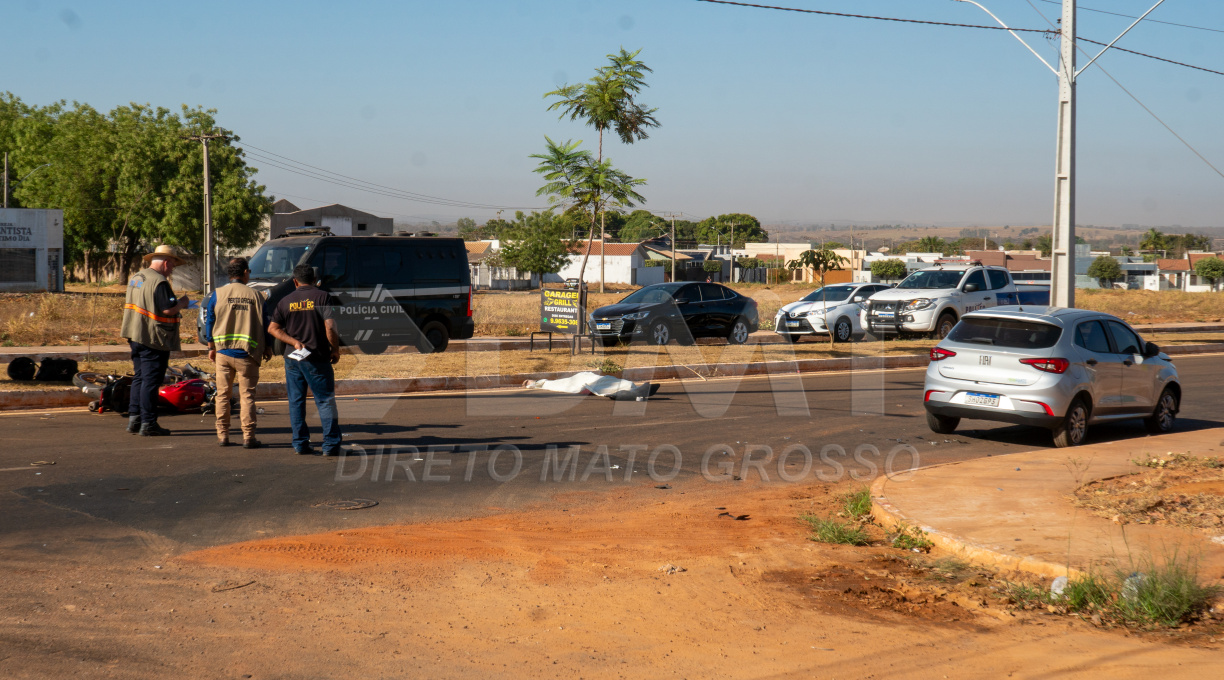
pixel 890 517
pixel 11 400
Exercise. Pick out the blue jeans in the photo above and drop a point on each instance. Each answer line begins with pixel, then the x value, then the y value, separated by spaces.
pixel 321 380
pixel 149 365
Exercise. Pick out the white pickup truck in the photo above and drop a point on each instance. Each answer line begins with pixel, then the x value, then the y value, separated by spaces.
pixel 932 300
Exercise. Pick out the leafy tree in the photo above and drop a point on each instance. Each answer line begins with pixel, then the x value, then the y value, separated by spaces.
pixel 1210 268
pixel 1105 270
pixel 608 101
pixel 834 245
pixel 129 178
pixel 576 180
pixel 712 266
pixel 641 225
pixel 1154 239
pixel 891 269
pixel 1027 245
pixel 721 229
pixel 467 229
pixel 822 261
pixel 932 244
pixel 1045 243
pixel 538 243
pixel 750 262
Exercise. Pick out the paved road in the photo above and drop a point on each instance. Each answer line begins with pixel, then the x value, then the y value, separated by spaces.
pixel 185 491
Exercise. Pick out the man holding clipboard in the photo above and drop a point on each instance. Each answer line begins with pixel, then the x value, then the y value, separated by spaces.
pixel 303 321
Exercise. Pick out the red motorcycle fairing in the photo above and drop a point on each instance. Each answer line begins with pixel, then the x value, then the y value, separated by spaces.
pixel 183 396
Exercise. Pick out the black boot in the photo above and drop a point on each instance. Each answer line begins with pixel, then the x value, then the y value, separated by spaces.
pixel 153 430
pixel 133 425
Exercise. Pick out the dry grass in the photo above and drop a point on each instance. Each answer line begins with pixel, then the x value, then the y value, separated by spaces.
pixel 1175 489
pixel 1149 306
pixel 43 319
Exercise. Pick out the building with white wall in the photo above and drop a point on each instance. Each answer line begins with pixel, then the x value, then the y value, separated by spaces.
pixel 624 263
pixel 31 250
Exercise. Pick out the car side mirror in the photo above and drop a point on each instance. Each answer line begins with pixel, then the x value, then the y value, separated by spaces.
pixel 971 288
pixel 858 298
pixel 1150 350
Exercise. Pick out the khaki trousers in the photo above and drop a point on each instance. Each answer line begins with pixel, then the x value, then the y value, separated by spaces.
pixel 247 373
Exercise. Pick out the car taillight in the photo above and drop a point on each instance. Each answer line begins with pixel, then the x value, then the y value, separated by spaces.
pixel 469 312
pixel 939 353
pixel 1048 365
pixel 927 396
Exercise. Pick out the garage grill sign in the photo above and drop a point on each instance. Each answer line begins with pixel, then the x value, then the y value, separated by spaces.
pixel 561 310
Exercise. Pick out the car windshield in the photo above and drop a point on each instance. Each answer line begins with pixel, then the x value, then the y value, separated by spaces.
pixel 276 261
pixel 932 278
pixel 1015 333
pixel 829 294
pixel 651 295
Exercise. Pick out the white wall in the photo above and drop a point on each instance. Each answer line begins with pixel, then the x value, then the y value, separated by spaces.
pixel 41 231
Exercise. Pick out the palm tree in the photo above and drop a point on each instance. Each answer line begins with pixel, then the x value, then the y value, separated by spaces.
pixel 1154 239
pixel 608 100
pixel 577 181
pixel 932 244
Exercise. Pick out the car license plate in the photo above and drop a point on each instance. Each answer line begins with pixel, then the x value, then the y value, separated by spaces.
pixel 794 324
pixel 885 315
pixel 603 326
pixel 979 399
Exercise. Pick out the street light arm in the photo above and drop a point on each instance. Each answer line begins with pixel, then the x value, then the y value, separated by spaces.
pixel 1111 43
pixel 1017 36
pixel 27 175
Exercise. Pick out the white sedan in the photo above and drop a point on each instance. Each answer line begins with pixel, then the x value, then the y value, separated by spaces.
pixel 835 306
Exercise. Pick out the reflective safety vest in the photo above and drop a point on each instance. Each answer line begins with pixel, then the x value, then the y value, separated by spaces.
pixel 239 319
pixel 143 322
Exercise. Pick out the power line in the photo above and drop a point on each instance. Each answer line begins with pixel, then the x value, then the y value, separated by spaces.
pixel 864 16
pixel 1128 16
pixel 307 170
pixel 1170 61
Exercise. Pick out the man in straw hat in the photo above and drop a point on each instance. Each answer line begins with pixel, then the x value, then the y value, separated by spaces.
pixel 151 327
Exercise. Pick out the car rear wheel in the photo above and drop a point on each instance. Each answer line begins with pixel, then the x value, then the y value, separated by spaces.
pixel 373 347
pixel 739 332
pixel 843 330
pixel 1074 427
pixel 659 333
pixel 942 424
pixel 946 322
pixel 1162 419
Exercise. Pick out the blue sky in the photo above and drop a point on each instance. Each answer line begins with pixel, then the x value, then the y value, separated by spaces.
pixel 789 117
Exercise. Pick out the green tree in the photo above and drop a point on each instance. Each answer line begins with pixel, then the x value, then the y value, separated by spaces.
pixel 891 269
pixel 467 229
pixel 538 243
pixel 576 180
pixel 1210 268
pixel 931 244
pixel 1045 243
pixel 1153 239
pixel 1105 270
pixel 750 262
pixel 608 101
pixel 641 225
pixel 823 261
pixel 721 229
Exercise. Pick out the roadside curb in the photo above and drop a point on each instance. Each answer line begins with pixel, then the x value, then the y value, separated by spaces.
pixel 11 400
pixel 890 517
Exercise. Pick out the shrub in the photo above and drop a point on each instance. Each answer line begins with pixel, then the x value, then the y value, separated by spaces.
pixel 832 531
pixel 888 270
pixel 1105 269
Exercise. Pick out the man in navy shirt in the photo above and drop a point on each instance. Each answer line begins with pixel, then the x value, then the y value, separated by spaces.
pixel 303 321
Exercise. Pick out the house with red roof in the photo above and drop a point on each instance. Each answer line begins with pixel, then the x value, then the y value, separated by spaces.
pixel 623 263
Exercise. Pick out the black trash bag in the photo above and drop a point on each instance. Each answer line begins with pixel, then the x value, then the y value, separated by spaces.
pixel 54 369
pixel 22 368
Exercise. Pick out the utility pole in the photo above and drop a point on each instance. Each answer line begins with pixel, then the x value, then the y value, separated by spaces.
pixel 1062 252
pixel 5 179
pixel 603 237
pixel 209 254
pixel 673 240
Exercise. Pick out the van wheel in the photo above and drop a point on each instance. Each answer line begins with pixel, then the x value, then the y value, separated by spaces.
pixel 373 347
pixel 434 338
pixel 942 424
pixel 1074 427
pixel 946 322
pixel 1161 420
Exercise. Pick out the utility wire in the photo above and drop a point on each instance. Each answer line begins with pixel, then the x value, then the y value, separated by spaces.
pixel 315 172
pixel 1170 61
pixel 1136 100
pixel 864 16
pixel 1128 16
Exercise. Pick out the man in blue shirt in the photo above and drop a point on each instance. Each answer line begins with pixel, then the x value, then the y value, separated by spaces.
pixel 235 321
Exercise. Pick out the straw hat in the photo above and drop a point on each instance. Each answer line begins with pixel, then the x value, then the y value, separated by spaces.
pixel 168 253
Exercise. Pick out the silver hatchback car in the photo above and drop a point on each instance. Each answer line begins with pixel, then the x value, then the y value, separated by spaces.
pixel 1062 369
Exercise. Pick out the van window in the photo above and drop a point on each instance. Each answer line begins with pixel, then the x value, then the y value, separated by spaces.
pixel 436 263
pixel 369 267
pixel 276 261
pixel 332 262
pixel 1005 333
pixel 397 271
